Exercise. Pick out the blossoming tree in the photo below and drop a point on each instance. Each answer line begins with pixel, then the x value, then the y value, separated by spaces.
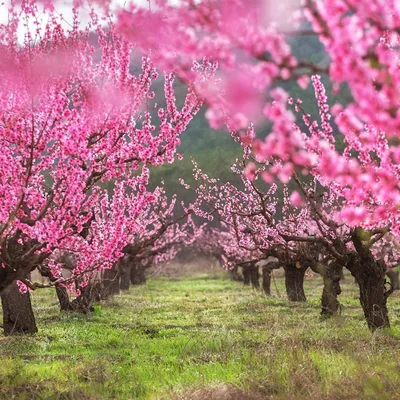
pixel 74 118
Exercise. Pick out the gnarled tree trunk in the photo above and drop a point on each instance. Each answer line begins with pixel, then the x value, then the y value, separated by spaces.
pixel 18 315
pixel 61 291
pixel 294 281
pixel 251 275
pixel 370 276
pixel 89 294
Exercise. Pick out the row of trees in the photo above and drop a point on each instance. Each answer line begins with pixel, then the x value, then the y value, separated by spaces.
pixel 77 141
pixel 295 232
pixel 80 125
pixel 340 203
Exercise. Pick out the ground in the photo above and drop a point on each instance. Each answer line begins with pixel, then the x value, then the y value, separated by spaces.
pixel 202 336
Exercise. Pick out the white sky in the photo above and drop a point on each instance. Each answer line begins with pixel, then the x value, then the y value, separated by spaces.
pixel 64 7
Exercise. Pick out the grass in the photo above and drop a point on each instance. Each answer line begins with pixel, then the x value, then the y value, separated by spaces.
pixel 171 337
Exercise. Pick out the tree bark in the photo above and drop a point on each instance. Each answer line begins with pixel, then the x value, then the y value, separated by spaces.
pixel 255 277
pixel 138 276
pixel 63 298
pixel 294 282
pixel 18 314
pixel 246 276
pixel 266 280
pixel 84 303
pixel 394 278
pixel 266 275
pixel 370 276
pixel 125 280
pixel 61 291
pixel 235 275
pixel 331 275
pixel 111 279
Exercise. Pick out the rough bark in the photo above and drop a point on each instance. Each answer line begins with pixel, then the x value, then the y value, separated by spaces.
pixel 394 278
pixel 294 281
pixel 251 275
pixel 331 275
pixel 370 276
pixel 18 315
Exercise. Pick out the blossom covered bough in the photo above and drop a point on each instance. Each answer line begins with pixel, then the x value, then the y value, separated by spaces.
pixel 252 47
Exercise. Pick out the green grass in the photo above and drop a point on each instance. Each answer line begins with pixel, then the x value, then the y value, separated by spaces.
pixel 171 337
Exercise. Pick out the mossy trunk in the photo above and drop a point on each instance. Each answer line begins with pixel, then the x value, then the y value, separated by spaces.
pixel 331 275
pixel 394 278
pixel 18 315
pixel 294 282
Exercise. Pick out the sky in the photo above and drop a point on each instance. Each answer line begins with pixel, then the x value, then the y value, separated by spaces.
pixel 64 7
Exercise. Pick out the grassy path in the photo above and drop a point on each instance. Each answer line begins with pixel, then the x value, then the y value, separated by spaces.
pixel 169 338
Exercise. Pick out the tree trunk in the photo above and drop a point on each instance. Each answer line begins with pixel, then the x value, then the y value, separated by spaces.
pixel 125 277
pixel 294 282
pixel 84 303
pixel 18 315
pixel 255 277
pixel 110 282
pixel 331 275
pixel 266 280
pixel 246 276
pixel 394 278
pixel 370 276
pixel 235 274
pixel 266 275
pixel 61 291
pixel 138 276
pixel 63 298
